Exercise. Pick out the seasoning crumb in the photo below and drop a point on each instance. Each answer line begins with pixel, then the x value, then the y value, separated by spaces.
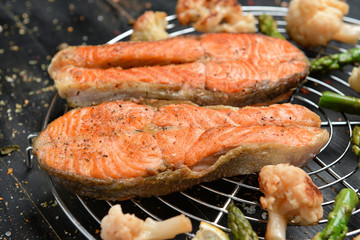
pixel 22 31
pixel 97 231
pixel 43 67
pixel 148 5
pixel 72 7
pixel 9 79
pixel 9 149
pixel 18 108
pixel 70 29
pixel 1 198
pixel 304 91
pixel 32 62
pixel 40 91
pixel 15 48
pixel 100 18
pixel 10 170
pixel 62 46
pixel 284 4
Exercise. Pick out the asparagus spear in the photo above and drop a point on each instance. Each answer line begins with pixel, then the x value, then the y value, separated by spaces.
pixel 335 61
pixel 240 227
pixel 340 103
pixel 355 140
pixel 336 227
pixel 346 104
pixel 268 26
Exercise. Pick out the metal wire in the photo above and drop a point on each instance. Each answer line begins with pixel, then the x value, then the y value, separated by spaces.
pixel 209 197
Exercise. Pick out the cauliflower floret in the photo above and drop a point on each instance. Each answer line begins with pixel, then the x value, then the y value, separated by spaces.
pixel 215 16
pixel 119 226
pixel 290 195
pixel 150 26
pixel 354 79
pixel 311 23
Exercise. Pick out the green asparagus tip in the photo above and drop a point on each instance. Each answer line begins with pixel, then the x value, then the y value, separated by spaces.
pixel 268 26
pixel 335 61
pixel 355 140
pixel 240 227
pixel 336 228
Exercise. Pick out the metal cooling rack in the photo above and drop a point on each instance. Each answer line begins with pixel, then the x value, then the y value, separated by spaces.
pixel 334 168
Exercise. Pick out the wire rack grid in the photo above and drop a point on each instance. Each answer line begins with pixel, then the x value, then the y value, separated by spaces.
pixel 334 168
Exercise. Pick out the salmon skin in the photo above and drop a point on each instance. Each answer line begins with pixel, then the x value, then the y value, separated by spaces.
pixel 210 69
pixel 121 149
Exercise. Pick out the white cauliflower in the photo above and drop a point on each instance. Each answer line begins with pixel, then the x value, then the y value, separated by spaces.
pixel 311 23
pixel 150 26
pixel 290 195
pixel 119 226
pixel 354 79
pixel 215 16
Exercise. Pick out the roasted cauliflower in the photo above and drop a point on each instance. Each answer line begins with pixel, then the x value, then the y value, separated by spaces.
pixel 290 195
pixel 311 23
pixel 215 16
pixel 119 226
pixel 354 79
pixel 150 26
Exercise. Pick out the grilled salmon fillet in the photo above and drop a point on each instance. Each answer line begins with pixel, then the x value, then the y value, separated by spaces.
pixel 210 69
pixel 121 149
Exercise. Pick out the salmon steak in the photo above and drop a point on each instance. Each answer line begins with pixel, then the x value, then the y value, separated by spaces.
pixel 210 69
pixel 122 149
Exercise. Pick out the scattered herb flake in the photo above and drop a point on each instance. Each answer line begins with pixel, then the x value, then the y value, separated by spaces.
pixel 9 149
pixel 33 62
pixel 15 48
pixel 10 170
